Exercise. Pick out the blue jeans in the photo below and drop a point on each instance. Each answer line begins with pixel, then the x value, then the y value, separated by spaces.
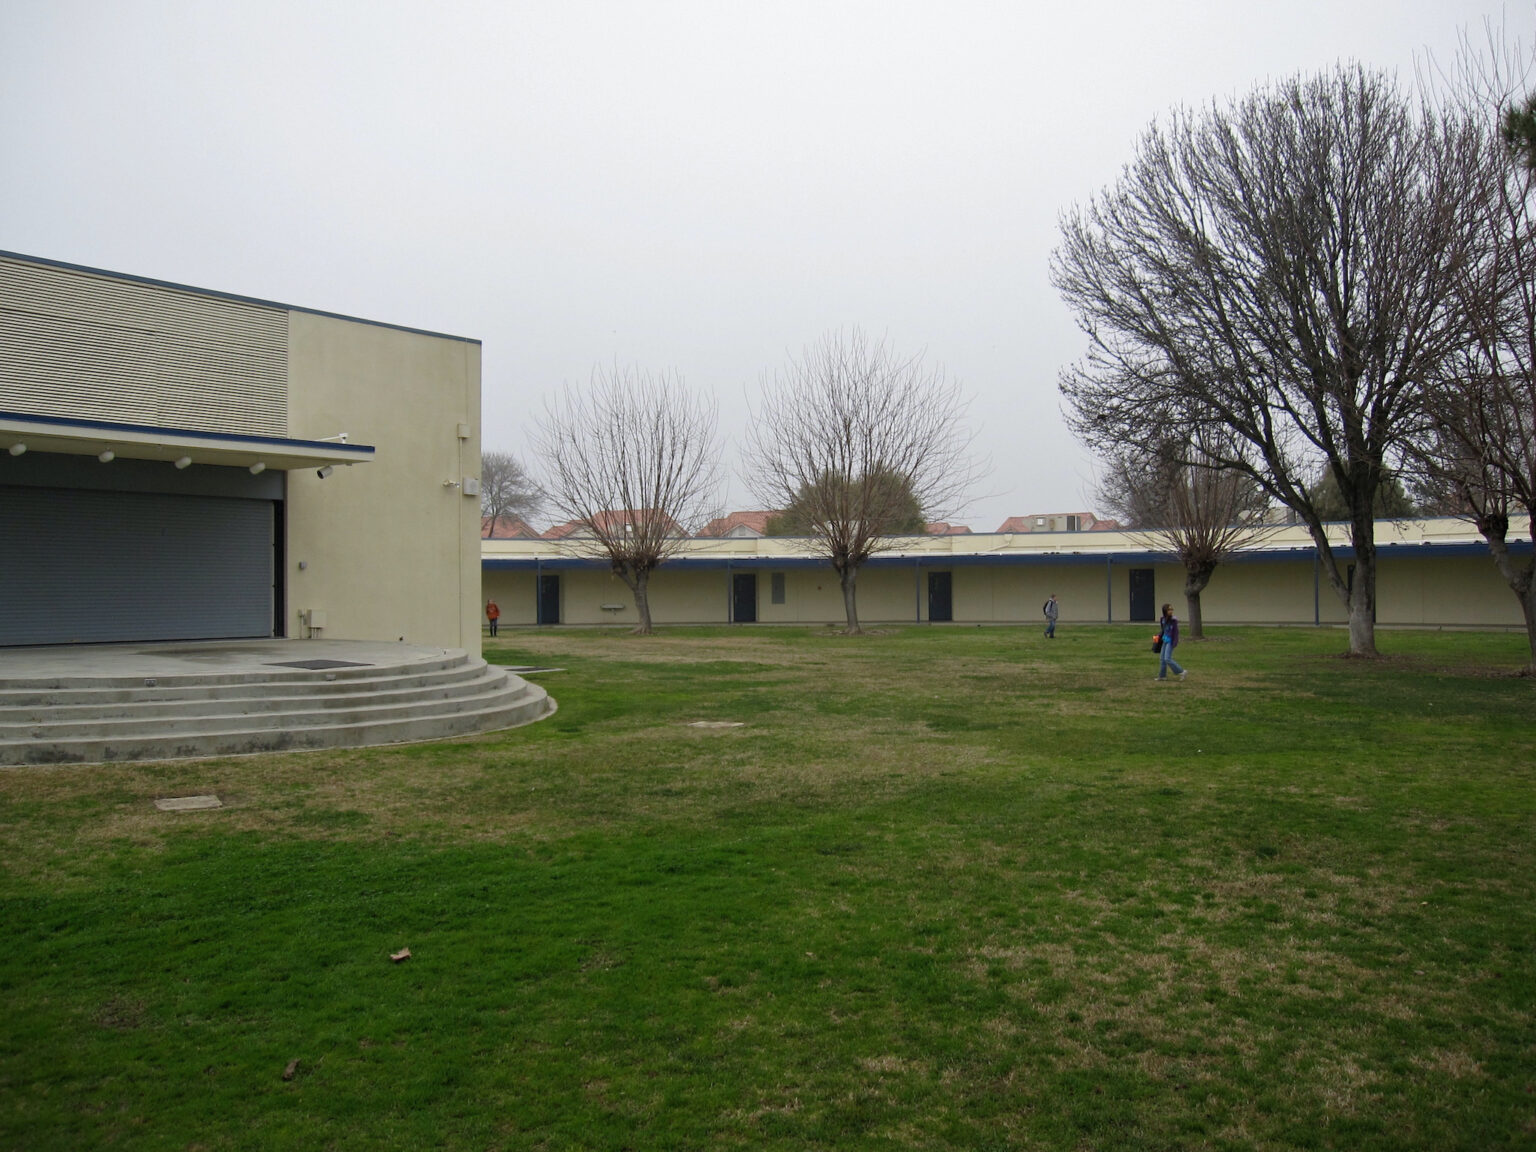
pixel 1168 662
pixel 1050 626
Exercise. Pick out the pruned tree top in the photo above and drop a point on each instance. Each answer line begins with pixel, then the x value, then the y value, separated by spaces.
pixel 855 438
pixel 1201 512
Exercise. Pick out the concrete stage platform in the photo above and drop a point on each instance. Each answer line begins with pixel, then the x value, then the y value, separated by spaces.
pixel 176 699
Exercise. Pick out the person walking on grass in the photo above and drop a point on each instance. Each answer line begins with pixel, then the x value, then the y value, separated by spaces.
pixel 1051 610
pixel 1169 635
pixel 492 614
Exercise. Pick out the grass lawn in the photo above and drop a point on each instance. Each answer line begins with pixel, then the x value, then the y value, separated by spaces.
pixel 945 888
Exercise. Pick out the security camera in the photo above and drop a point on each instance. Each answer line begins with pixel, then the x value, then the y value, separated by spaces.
pixel 324 472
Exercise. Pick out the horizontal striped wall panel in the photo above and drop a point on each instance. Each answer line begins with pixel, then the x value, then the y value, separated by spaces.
pixel 89 346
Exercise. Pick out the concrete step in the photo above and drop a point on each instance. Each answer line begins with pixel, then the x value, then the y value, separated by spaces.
pixel 87 690
pixel 78 704
pixel 299 713
pixel 527 708
pixel 86 720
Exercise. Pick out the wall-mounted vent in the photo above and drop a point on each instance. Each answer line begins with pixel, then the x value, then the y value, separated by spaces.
pixel 90 346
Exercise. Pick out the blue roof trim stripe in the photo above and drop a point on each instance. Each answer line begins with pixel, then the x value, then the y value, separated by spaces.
pixel 327 446
pixel 256 300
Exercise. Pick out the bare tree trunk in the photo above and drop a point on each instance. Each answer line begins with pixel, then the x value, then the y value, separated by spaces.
pixel 847 578
pixel 639 584
pixel 1521 578
pixel 1362 614
pixel 1528 603
pixel 1362 591
pixel 643 602
pixel 1358 595
pixel 1196 577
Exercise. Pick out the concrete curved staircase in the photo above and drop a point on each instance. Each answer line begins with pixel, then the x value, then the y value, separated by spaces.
pixel 75 719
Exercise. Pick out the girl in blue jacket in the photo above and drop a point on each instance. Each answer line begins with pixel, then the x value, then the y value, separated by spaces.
pixel 1170 634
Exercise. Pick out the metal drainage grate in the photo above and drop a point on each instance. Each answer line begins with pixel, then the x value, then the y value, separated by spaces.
pixel 317 665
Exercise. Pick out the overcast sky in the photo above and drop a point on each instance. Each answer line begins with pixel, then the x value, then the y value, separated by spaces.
pixel 704 186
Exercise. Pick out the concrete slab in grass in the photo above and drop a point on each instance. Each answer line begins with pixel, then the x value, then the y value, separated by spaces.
pixel 188 803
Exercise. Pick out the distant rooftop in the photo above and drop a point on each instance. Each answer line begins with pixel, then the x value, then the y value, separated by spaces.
pixel 738 524
pixel 1058 522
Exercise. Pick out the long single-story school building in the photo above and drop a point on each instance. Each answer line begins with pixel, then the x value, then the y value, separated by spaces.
pixel 182 464
pixel 1431 573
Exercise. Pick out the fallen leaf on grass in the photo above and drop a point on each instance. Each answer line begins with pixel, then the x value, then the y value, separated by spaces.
pixel 403 954
pixel 292 1070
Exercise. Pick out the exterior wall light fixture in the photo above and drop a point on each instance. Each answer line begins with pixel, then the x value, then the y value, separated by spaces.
pixel 182 462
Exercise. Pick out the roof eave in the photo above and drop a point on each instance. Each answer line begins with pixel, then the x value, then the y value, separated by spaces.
pixel 72 437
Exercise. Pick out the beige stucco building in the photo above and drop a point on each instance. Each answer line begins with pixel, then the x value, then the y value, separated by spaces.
pixel 1431 573
pixel 183 464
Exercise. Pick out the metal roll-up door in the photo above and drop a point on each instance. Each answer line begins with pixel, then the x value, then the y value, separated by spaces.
pixel 81 566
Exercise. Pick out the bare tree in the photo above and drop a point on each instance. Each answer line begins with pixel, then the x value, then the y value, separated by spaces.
pixel 1281 271
pixel 1201 514
pixel 848 436
pixel 506 491
pixel 1479 441
pixel 634 460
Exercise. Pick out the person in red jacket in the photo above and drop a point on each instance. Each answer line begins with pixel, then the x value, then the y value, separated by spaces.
pixel 493 614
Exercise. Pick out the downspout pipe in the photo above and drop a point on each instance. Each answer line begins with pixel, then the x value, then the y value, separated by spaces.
pixel 1317 573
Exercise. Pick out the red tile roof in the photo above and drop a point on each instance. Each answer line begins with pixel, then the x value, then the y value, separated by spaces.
pixel 756 522
pixel 506 528
pixel 608 520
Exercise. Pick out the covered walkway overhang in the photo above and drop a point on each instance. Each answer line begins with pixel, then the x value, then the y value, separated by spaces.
pixel 24 432
pixel 556 561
